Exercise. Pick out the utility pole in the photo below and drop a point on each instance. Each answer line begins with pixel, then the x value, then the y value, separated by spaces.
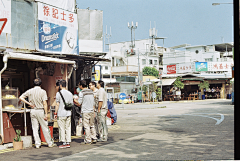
pixel 132 27
pixel 108 36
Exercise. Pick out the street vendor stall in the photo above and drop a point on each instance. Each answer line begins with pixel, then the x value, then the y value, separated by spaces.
pixel 11 114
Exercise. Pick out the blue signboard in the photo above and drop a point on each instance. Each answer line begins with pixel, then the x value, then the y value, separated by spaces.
pixel 55 38
pixel 122 96
pixel 201 66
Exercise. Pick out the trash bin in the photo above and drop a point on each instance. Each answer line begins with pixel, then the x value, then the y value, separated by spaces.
pixel 203 97
pixel 50 126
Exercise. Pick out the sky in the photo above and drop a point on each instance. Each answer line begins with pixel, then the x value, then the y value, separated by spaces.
pixel 194 22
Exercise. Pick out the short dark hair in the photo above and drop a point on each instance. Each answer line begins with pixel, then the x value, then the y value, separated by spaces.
pixel 93 83
pixel 101 83
pixel 58 82
pixel 63 83
pixel 83 83
pixel 37 82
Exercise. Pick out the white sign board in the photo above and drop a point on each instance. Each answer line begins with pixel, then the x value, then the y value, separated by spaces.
pixel 185 68
pixel 5 12
pixel 220 66
pixel 63 4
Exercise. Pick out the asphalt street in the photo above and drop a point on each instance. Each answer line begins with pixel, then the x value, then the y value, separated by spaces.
pixel 185 130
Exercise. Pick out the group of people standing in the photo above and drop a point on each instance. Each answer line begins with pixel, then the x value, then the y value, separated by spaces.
pixel 93 105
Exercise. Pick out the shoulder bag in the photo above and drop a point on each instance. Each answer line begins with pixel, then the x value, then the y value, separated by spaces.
pixel 67 106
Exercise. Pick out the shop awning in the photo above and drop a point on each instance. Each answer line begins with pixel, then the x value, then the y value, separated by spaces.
pixel 167 82
pixel 32 57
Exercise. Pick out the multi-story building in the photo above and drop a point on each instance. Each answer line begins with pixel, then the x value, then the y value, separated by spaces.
pixel 203 62
pixel 127 61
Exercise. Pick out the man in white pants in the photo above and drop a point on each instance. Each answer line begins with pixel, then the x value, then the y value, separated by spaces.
pixel 63 116
pixel 38 102
pixel 102 111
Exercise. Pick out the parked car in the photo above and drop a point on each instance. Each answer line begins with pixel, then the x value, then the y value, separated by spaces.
pixel 126 101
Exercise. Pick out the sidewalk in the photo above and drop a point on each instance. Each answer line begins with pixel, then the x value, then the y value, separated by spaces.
pixel 140 105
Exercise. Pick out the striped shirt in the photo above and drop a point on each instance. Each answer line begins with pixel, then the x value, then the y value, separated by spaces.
pixel 36 96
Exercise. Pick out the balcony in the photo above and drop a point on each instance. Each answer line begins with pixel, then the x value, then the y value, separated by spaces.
pixel 125 70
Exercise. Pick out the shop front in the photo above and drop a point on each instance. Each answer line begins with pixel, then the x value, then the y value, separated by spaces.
pixel 18 70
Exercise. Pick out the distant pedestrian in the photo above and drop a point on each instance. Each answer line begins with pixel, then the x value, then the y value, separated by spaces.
pixel 38 102
pixel 86 100
pixel 92 86
pixel 63 116
pixel 102 111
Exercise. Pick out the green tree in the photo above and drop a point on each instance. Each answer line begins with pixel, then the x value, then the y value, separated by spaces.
pixel 203 85
pixel 178 83
pixel 150 71
pixel 159 92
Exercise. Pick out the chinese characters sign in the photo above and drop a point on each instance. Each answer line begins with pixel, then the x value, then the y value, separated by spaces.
pixel 5 12
pixel 65 5
pixel 171 69
pixel 201 66
pixel 185 68
pixel 58 30
pixel 219 66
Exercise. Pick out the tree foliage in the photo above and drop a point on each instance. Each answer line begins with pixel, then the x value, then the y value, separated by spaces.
pixel 204 85
pixel 159 92
pixel 150 71
pixel 178 83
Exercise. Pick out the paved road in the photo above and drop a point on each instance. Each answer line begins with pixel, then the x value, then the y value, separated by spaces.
pixel 166 131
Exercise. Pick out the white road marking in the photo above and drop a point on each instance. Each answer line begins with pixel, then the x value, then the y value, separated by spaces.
pixel 218 120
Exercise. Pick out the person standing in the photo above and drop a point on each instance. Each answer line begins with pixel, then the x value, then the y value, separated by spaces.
pixel 86 99
pixel 38 102
pixel 63 116
pixel 102 111
pixel 92 86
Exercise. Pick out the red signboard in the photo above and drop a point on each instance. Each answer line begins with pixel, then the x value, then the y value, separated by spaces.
pixel 171 69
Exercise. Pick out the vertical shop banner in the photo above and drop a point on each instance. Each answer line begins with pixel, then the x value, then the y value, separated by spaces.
pixel 58 30
pixel 185 68
pixel 98 72
pixel 220 66
pixel 201 66
pixel 5 12
pixel 171 69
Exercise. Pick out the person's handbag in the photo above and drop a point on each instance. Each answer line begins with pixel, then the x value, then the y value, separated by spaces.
pixel 67 106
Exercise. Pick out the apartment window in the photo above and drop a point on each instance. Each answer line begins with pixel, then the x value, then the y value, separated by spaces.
pixel 150 62
pixel 143 61
pixel 106 67
pixel 155 62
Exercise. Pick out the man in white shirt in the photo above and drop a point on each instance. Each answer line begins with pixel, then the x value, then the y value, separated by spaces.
pixel 38 102
pixel 102 111
pixel 63 116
